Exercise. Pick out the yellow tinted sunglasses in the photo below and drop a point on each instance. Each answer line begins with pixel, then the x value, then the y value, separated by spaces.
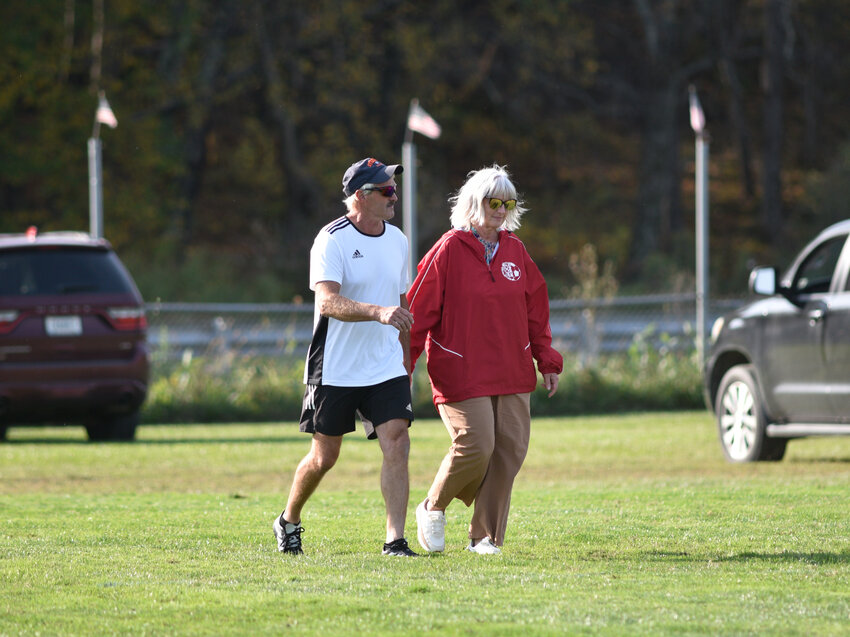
pixel 509 204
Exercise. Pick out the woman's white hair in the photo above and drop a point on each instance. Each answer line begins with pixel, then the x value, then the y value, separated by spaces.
pixel 468 203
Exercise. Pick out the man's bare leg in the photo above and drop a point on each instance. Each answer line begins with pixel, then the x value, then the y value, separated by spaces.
pixel 323 455
pixel 395 486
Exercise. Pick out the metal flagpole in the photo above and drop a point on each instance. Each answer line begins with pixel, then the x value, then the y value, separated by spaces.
pixel 103 115
pixel 408 199
pixel 702 243
pixel 421 122
pixel 95 188
pixel 701 222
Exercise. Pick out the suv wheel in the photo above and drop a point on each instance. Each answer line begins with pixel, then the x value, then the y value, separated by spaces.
pixel 742 421
pixel 119 428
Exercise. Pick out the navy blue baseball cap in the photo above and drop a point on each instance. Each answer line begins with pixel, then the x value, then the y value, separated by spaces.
pixel 367 171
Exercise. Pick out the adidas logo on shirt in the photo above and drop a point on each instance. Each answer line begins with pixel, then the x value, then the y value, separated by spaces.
pixel 357 255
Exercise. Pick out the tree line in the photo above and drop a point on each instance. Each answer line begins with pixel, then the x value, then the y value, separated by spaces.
pixel 237 120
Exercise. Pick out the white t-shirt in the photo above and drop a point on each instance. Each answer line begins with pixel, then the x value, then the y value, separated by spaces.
pixel 369 269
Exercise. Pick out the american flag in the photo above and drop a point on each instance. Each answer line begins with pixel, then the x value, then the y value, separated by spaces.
pixel 104 113
pixel 418 120
pixel 697 116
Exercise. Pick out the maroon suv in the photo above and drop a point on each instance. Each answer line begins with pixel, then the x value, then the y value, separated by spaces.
pixel 73 346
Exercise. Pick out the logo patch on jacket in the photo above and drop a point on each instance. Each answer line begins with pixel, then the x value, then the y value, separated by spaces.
pixel 510 271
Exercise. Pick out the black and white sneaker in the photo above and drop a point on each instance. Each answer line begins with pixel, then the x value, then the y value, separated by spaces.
pixel 288 536
pixel 399 547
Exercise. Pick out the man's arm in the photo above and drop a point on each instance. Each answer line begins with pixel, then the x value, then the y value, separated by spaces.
pixel 333 305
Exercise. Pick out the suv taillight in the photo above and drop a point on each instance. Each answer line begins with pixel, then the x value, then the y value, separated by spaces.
pixel 8 321
pixel 127 318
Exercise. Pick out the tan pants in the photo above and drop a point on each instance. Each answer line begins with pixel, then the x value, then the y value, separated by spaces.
pixel 489 442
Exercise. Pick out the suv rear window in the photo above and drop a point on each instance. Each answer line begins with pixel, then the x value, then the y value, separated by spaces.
pixel 56 271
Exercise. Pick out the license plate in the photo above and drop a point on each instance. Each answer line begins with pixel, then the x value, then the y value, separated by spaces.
pixel 63 325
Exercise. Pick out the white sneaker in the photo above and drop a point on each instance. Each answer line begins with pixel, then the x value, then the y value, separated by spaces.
pixel 431 529
pixel 484 547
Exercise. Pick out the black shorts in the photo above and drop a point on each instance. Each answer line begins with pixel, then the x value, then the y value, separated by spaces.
pixel 330 410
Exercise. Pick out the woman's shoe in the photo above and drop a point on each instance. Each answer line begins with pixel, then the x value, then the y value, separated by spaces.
pixel 484 547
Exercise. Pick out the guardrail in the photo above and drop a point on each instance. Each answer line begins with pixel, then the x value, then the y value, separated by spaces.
pixel 582 327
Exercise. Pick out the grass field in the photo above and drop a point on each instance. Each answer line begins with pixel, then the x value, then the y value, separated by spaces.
pixel 619 525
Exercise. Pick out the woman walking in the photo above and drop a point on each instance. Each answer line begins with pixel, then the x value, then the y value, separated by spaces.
pixel 481 312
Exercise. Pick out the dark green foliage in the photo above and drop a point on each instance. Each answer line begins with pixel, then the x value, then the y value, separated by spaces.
pixel 236 121
pixel 260 390
pixel 225 390
pixel 618 385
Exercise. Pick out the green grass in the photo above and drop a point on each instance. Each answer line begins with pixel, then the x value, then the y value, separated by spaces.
pixel 627 524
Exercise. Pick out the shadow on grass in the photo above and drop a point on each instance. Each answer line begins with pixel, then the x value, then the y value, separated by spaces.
pixel 167 441
pixel 818 558
pixel 238 441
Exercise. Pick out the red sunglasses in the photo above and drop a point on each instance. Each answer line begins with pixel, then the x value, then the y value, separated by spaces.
pixel 386 191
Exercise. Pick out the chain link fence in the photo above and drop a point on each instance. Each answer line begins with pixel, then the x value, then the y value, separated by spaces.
pixel 580 327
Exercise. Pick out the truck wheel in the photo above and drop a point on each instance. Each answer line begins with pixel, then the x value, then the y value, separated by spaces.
pixel 742 421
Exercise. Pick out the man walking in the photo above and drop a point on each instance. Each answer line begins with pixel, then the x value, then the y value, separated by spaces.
pixel 359 358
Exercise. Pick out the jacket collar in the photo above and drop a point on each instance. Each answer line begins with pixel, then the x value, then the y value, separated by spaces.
pixel 472 241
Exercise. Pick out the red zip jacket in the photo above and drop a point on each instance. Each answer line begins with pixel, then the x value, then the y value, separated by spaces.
pixel 481 325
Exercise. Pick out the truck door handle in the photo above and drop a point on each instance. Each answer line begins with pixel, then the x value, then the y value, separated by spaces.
pixel 815 317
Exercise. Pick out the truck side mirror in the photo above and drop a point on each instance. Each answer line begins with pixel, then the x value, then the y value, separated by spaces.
pixel 763 281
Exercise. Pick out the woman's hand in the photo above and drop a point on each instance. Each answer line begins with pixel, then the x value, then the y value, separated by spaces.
pixel 550 382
